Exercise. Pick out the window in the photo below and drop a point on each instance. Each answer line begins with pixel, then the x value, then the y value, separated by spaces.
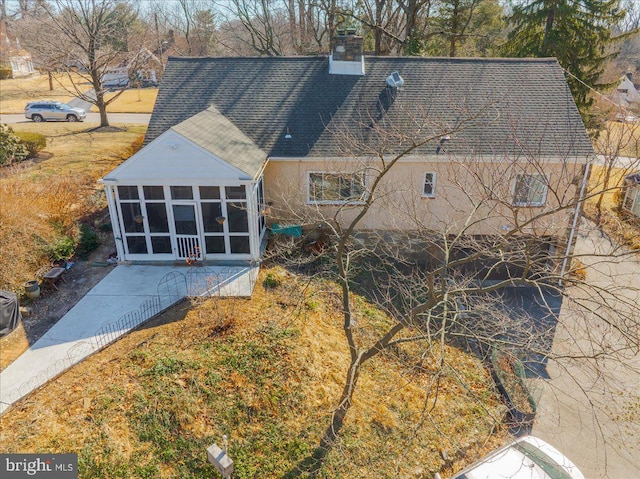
pixel 429 188
pixel 530 190
pixel 332 188
pixel 632 200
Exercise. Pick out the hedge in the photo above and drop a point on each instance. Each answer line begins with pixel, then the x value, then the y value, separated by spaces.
pixel 34 142
pixel 5 72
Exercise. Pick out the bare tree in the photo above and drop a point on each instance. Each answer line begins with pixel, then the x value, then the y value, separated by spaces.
pixel 500 225
pixel 87 38
pixel 194 21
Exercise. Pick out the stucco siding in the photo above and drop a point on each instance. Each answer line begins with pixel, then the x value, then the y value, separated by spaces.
pixel 474 196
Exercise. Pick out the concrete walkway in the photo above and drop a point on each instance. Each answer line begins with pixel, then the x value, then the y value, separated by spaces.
pixel 124 299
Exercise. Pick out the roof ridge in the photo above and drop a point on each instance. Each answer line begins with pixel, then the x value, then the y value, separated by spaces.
pixel 373 57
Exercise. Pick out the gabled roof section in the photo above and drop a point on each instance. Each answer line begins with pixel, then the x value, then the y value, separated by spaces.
pixel 293 107
pixel 174 157
pixel 217 135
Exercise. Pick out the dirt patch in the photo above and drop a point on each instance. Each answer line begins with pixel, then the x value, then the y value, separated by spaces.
pixel 107 129
pixel 40 314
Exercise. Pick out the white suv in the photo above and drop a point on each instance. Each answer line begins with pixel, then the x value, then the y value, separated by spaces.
pixel 53 110
pixel 527 458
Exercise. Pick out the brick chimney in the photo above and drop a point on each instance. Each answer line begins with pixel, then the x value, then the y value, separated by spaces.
pixel 346 56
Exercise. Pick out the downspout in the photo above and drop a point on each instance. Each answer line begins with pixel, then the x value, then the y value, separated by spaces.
pixel 252 218
pixel 257 238
pixel 576 215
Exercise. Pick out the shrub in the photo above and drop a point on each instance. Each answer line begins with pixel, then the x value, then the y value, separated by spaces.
pixel 87 242
pixel 5 72
pixel 62 248
pixel 11 149
pixel 34 142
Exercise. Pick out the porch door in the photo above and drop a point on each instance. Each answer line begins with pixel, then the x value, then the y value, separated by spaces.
pixel 187 231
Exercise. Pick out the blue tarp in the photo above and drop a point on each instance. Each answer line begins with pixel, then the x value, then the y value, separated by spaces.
pixel 287 230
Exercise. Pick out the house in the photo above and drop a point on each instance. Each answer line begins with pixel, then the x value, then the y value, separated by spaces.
pixel 631 194
pixel 626 94
pixel 138 70
pixel 14 56
pixel 232 139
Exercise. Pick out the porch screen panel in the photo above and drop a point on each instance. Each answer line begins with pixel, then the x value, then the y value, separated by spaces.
pixel 181 193
pixel 238 217
pixel 236 192
pixel 128 193
pixel 209 192
pixel 161 244
pixel 239 244
pixel 132 217
pixel 157 216
pixel 185 219
pixel 153 192
pixel 214 244
pixel 137 244
pixel 210 213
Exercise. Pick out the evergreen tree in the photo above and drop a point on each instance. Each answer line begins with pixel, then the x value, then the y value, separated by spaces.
pixel 577 32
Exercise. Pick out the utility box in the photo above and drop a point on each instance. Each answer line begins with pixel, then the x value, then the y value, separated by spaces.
pixel 220 460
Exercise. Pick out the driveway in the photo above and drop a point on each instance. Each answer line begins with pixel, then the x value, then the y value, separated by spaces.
pixel 590 406
pixel 127 118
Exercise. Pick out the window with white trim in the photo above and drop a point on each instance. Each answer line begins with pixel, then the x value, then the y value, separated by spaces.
pixel 530 190
pixel 336 188
pixel 429 187
pixel 631 200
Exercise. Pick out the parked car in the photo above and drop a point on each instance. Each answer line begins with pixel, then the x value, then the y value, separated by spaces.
pixel 627 118
pixel 53 110
pixel 527 458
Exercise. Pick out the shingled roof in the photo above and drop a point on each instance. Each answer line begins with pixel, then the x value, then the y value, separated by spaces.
pixel 293 107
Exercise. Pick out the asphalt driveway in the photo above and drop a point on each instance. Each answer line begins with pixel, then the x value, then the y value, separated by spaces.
pixel 128 118
pixel 589 407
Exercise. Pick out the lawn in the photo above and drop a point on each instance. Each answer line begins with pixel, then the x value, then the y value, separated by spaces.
pixel 612 221
pixel 620 139
pixel 15 93
pixel 45 200
pixel 265 372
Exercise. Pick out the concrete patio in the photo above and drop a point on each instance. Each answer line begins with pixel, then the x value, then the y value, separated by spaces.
pixel 127 297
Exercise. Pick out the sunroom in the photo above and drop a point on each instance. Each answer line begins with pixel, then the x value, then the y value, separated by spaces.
pixel 195 193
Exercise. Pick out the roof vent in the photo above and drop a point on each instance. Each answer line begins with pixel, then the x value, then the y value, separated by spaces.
pixel 395 80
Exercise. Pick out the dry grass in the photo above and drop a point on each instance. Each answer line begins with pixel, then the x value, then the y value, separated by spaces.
pixel 15 93
pixel 609 191
pixel 266 372
pixel 622 229
pixel 43 200
pixel 136 100
pixel 621 139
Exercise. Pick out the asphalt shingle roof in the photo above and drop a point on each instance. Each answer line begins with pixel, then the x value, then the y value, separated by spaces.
pixel 495 106
pixel 229 143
